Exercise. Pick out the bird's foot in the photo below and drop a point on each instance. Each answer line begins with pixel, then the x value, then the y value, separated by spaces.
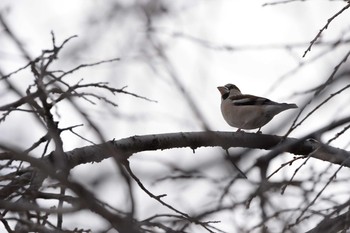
pixel 259 131
pixel 239 131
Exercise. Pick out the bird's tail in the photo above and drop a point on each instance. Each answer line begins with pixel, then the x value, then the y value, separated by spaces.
pixel 288 106
pixel 280 108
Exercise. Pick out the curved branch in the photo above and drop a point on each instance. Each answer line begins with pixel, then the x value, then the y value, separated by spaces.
pixel 124 148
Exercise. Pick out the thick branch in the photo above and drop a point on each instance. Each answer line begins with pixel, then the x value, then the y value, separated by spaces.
pixel 124 148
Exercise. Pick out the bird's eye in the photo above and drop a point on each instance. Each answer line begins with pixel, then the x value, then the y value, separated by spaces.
pixel 229 86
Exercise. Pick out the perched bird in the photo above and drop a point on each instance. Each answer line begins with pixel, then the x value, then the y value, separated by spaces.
pixel 248 111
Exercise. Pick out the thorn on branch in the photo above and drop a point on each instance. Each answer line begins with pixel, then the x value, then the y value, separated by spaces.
pixel 161 196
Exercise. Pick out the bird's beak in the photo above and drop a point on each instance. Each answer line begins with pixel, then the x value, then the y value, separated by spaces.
pixel 223 90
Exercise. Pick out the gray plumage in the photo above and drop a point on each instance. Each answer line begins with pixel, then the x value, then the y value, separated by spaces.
pixel 248 111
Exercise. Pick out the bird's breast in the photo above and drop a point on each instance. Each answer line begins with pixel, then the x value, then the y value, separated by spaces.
pixel 245 117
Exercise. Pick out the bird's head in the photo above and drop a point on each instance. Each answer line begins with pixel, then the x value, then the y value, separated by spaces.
pixel 229 90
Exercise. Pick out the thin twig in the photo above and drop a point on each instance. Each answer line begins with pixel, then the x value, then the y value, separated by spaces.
pixel 325 27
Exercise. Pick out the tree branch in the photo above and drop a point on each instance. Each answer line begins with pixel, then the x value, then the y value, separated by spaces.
pixel 124 148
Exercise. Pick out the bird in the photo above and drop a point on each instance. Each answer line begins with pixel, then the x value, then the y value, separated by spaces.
pixel 244 111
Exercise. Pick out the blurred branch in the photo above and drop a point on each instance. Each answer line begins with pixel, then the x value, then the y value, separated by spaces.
pixel 87 199
pixel 205 225
pixel 282 2
pixel 254 47
pixel 122 149
pixel 317 92
pixel 15 39
pixel 23 182
pixel 178 83
pixel 28 200
pixel 340 223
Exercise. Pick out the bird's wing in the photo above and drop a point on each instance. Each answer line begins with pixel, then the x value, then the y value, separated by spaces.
pixel 241 100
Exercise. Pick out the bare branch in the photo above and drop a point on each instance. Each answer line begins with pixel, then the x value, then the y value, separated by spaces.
pixel 325 27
